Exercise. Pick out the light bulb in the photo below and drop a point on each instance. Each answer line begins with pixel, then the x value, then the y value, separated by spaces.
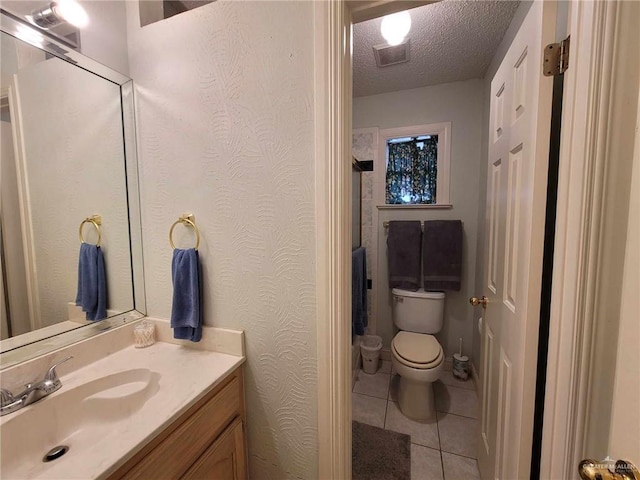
pixel 72 12
pixel 395 27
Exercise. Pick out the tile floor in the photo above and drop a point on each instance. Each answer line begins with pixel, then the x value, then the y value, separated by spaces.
pixel 442 450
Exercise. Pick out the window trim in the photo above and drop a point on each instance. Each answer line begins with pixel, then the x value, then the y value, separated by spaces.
pixel 443 130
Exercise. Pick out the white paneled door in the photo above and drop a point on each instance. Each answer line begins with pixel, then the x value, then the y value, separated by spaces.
pixel 516 197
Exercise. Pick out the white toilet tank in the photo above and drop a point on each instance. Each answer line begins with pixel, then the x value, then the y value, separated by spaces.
pixel 419 312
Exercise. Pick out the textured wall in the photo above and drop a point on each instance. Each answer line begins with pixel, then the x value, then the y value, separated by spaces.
pixel 105 39
pixel 225 127
pixel 461 104
pixel 56 101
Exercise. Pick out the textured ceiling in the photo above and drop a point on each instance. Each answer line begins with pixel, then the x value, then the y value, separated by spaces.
pixel 451 40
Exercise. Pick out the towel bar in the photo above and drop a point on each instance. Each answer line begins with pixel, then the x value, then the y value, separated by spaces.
pixel 386 224
pixel 96 221
pixel 188 220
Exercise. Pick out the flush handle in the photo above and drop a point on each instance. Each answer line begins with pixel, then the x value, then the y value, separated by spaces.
pixel 475 301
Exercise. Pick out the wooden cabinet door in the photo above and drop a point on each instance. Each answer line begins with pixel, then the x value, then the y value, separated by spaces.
pixel 224 459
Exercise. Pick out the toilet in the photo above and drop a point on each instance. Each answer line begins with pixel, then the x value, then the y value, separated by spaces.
pixel 416 355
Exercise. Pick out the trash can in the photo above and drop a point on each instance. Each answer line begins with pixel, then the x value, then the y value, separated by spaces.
pixel 370 347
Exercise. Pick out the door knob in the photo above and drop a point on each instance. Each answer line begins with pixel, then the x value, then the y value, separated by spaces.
pixel 622 470
pixel 475 301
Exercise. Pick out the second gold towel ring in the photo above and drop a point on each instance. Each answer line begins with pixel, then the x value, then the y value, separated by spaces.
pixel 189 221
pixel 96 221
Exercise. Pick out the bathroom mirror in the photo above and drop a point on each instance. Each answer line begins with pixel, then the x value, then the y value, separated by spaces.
pixel 68 174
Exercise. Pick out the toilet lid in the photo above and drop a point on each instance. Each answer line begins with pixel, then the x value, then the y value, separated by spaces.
pixel 417 347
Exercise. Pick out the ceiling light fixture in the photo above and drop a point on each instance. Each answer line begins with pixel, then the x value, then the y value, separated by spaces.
pixel 395 27
pixel 58 12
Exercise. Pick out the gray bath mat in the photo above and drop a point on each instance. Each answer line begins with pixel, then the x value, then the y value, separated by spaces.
pixel 379 454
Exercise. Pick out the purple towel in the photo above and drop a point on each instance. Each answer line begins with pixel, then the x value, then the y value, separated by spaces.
pixel 442 254
pixel 403 254
pixel 186 311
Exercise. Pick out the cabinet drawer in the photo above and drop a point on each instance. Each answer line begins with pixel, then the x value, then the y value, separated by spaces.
pixel 171 458
pixel 224 460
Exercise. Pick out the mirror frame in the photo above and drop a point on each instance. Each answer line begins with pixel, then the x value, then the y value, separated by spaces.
pixel 11 25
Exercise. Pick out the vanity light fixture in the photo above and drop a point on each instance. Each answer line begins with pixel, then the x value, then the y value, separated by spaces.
pixel 60 11
pixel 395 27
pixel 29 35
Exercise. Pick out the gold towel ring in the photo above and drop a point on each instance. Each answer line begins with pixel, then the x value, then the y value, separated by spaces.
pixel 96 221
pixel 187 220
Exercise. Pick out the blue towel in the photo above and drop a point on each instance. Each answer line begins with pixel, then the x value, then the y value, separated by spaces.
pixel 186 312
pixel 92 282
pixel 359 317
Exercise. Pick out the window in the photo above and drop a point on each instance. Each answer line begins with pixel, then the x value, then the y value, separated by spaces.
pixel 416 169
pixel 412 170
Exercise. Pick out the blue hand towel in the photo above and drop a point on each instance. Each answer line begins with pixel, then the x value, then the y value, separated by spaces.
pixel 92 282
pixel 186 312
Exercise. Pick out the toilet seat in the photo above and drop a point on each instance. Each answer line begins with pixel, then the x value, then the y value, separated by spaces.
pixel 417 350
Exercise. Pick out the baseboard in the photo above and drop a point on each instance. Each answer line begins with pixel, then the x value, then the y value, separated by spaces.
pixel 448 364
pixel 385 354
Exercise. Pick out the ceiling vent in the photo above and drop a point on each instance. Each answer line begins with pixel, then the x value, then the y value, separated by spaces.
pixel 387 55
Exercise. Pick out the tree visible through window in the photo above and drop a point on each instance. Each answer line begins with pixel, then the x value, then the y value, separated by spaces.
pixel 412 170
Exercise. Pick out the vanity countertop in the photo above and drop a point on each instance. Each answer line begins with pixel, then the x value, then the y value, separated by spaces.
pixel 181 377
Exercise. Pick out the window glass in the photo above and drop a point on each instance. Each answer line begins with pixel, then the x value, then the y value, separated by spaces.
pixel 412 170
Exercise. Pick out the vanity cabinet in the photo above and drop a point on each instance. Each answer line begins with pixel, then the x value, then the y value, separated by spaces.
pixel 223 459
pixel 206 442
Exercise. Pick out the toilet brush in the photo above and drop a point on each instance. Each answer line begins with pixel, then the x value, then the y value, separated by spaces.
pixel 460 364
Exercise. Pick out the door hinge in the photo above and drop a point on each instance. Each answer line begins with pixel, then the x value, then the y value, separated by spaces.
pixel 556 58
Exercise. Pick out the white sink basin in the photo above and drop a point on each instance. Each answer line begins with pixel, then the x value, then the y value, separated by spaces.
pixel 81 418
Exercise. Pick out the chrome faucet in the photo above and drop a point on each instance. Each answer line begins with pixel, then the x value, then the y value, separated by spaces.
pixel 33 392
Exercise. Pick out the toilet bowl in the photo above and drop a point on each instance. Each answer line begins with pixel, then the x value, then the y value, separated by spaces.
pixel 416 355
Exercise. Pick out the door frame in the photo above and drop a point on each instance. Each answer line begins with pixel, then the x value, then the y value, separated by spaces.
pixel 586 109
pixel 578 294
pixel 332 116
pixel 26 226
